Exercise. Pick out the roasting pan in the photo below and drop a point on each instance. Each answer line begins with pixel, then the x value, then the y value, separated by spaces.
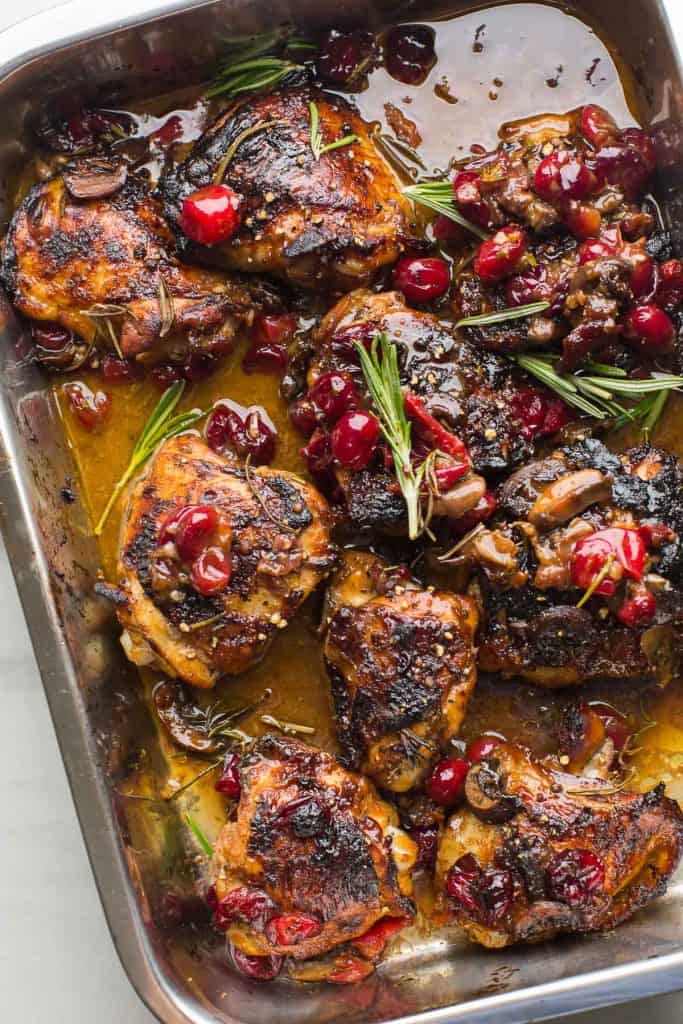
pixel 137 49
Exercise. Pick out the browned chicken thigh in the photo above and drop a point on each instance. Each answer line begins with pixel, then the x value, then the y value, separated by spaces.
pixel 100 261
pixel 312 864
pixel 401 661
pixel 214 559
pixel 335 219
pixel 536 852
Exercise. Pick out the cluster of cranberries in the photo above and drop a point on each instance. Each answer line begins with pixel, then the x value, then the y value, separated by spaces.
pixel 248 433
pixel 344 57
pixel 605 557
pixel 446 784
pixel 202 541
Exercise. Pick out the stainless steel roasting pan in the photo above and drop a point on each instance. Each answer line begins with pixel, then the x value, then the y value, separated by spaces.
pixel 133 48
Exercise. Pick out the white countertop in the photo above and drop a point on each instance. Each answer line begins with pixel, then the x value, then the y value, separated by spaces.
pixel 58 964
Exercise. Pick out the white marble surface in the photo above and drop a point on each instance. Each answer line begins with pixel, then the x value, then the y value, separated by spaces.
pixel 57 961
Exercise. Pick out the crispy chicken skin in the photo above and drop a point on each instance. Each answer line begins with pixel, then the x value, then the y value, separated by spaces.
pixel 531 625
pixel 318 844
pixel 537 852
pixel 335 221
pixel 65 255
pixel 401 661
pixel 280 551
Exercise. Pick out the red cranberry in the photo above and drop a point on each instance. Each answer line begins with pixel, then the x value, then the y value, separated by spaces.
pixel 498 257
pixel 372 942
pixel 261 968
pixel 623 166
pixel 229 782
pixel 447 473
pixel 409 53
pixel 643 277
pixel 467 193
pixel 446 784
pixel 198 366
pixel 225 429
pixel 650 327
pixel 559 176
pixel 656 534
pixel 354 439
pixel 539 413
pixel 422 279
pixel 640 140
pixel 342 54
pixel 583 221
pixel 462 882
pixel 485 893
pixel 265 358
pixel 291 929
pixel 599 249
pixel 211 215
pixel 447 231
pixel 574 874
pixel 591 553
pixel 334 394
pixel 260 439
pixel 318 453
pixel 191 529
pixel 270 335
pixel 639 610
pixel 670 291
pixel 597 126
pixel 51 336
pixel 433 434
pixel 211 571
pixel 170 131
pixel 427 840
pixel 302 416
pixel 252 906
pixel 495 893
pixel 531 286
pixel 166 374
pixel 482 748
pixel 91 408
pixel 118 371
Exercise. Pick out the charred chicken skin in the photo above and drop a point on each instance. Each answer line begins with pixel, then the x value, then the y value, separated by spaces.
pixel 333 220
pixel 535 852
pixel 580 575
pixel 402 665
pixel 214 559
pixel 313 863
pixel 90 250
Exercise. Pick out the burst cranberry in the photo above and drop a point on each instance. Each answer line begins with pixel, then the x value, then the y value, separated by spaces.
pixel 198 366
pixel 447 231
pixel 211 571
pixel 341 55
pixel 302 416
pixel 225 429
pixel 334 394
pixel 166 374
pixel 118 371
pixel 531 286
pixel 427 841
pixel 495 893
pixel 348 970
pixel 354 439
pixel 583 221
pixel 270 335
pixel 422 279
pixel 170 131
pixel 640 140
pixel 540 414
pixel 265 357
pixel 650 327
pixel 467 193
pixel 229 783
pixel 462 882
pixel 261 968
pixel 52 337
pixel 91 408
pixel 252 906
pixel 643 276
pixel 318 453
pixel 574 875
pixel 623 166
pixel 259 439
pixel 409 53
pixel 670 291
pixel 625 547
pixel 498 257
pixel 482 747
pixel 446 784
pixel 211 215
pixel 600 249
pixel 291 929
pixel 639 610
pixel 372 942
pixel 559 176
pixel 597 126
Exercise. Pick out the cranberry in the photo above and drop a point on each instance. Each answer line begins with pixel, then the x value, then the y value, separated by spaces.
pixel 334 394
pixel 341 55
pixel 409 53
pixel 198 366
pixel 640 140
pixel 118 371
pixel 265 357
pixel 623 166
pixel 318 453
pixel 302 416
pixel 432 434
pixel 583 221
pixel 498 257
pixel 372 942
pixel 261 968
pixel 643 276
pixel 259 438
pixel 483 510
pixel 211 215
pixel 574 874
pixel 639 610
pixel 670 291
pixel 170 131
pixel 482 748
pixel 656 534
pixel 270 335
pixel 291 929
pixel 467 193
pixel 539 413
pixel 427 840
pixel 211 571
pixel 446 784
pixel 225 429
pixel 422 279
pixel 626 547
pixel 600 249
pixel 166 374
pixel 91 408
pixel 229 782
pixel 615 725
pixel 531 286
pixel 252 906
pixel 559 176
pixel 51 336
pixel 486 893
pixel 650 327
pixel 462 882
pixel 447 231
pixel 496 892
pixel 597 126
pixel 191 529
pixel 348 970
pixel 354 439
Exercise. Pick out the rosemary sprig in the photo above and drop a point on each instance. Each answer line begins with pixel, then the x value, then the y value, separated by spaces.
pixel 380 369
pixel 288 728
pixel 199 835
pixel 317 146
pixel 250 63
pixel 501 315
pixel 406 159
pixel 161 425
pixel 439 196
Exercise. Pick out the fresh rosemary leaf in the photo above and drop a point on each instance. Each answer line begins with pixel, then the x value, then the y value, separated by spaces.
pixel 564 386
pixel 406 159
pixel 199 835
pixel 161 425
pixel 317 146
pixel 438 196
pixel 234 146
pixel 255 75
pixel 501 315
